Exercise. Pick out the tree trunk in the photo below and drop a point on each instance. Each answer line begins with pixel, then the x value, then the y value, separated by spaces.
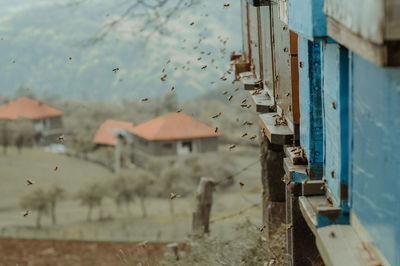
pixel 143 207
pixel 38 218
pixel 53 213
pixel 89 214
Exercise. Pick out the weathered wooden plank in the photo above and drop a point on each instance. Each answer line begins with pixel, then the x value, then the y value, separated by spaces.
pixel 387 54
pixel 296 155
pixel 318 211
pixel 312 187
pixel 296 173
pixel 276 133
pixel 262 102
pixel 251 83
pixel 267 50
pixel 340 245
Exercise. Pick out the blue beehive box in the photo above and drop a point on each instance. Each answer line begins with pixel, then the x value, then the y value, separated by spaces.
pixel 306 17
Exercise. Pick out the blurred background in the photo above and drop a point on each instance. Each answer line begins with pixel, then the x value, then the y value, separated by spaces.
pixel 108 107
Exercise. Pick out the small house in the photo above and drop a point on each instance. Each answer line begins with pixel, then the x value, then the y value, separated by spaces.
pixel 173 134
pixel 107 133
pixel 47 121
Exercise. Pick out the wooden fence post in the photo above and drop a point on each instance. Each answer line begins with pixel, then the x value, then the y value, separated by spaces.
pixel 201 217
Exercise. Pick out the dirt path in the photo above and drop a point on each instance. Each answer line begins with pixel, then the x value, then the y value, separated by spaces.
pixel 78 253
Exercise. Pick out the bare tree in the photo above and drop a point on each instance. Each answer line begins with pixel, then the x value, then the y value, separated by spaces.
pixel 123 189
pixel 170 177
pixel 143 181
pixel 92 196
pixel 36 201
pixel 153 14
pixel 5 135
pixel 54 194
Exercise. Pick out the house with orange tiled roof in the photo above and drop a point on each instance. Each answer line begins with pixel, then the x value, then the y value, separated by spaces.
pixel 173 134
pixel 47 121
pixel 107 132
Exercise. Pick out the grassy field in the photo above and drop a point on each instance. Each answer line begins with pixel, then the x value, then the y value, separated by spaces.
pixel 160 225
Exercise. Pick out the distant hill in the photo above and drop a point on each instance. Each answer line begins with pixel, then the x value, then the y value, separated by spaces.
pixel 37 38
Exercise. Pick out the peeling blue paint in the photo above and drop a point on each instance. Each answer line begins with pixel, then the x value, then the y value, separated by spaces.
pixel 306 18
pixel 336 124
pixel 375 153
pixel 310 103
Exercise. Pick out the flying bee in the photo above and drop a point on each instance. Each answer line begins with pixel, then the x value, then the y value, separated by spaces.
pixel 144 99
pixel 174 195
pixel 330 202
pixel 29 182
pixel 164 77
pixel 244 135
pixel 332 234
pixel 209 53
pixel 248 106
pixel 225 93
pixel 248 123
pixel 236 89
pixel 262 228
pixel 223 78
pixel 333 174
pixel 241 184
pixel 212 82
pixel 244 101
pixel 199 58
pixel 306 181
pixel 61 138
pixel 191 23
pixel 290 227
pixel 216 130
pixel 226 5
pixel 26 213
pixel 322 188
pixel 204 67
pixel 217 115
pixel 324 179
pixel 115 69
pixel 172 88
pixel 70 58
pixel 179 110
pixel 334 105
pixel 243 105
pixel 55 168
pixel 253 137
pixel 230 98
pixel 232 146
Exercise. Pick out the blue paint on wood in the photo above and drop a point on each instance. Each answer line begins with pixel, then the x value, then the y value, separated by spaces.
pixel 375 153
pixel 336 123
pixel 341 218
pixel 310 103
pixel 306 18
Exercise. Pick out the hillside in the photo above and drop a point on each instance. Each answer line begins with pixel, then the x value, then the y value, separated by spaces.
pixel 37 38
